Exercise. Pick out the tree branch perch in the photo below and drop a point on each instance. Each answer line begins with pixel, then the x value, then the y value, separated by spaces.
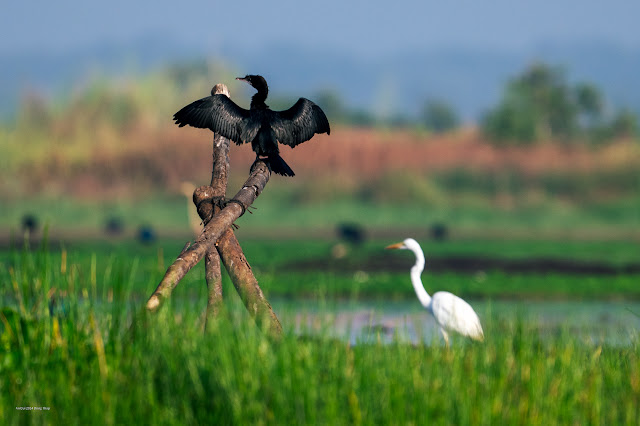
pixel 217 240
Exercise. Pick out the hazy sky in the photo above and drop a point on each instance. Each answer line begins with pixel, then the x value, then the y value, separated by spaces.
pixel 360 27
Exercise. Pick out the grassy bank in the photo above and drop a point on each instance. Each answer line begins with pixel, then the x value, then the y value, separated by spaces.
pixel 69 343
pixel 234 375
pixel 87 368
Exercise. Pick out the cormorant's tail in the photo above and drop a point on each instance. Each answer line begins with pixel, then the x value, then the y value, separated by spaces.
pixel 278 166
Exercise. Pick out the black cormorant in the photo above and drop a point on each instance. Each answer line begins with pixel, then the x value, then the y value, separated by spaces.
pixel 259 125
pixel 29 223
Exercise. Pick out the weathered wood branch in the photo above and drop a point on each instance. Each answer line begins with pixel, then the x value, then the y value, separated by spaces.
pixel 218 187
pixel 213 276
pixel 211 233
pixel 217 240
pixel 247 285
pixel 205 198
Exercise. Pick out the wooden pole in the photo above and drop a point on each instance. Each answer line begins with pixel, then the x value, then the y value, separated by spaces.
pixel 246 284
pixel 208 203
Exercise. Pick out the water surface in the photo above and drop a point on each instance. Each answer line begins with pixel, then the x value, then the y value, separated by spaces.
pixel 360 321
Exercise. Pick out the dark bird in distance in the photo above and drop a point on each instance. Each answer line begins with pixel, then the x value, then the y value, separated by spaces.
pixel 259 125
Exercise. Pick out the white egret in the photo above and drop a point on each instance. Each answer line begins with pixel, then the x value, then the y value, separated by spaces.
pixel 450 312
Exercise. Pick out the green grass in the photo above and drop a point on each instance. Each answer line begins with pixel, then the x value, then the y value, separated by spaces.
pixel 179 375
pixel 89 364
pixel 495 285
pixel 276 253
pixel 277 268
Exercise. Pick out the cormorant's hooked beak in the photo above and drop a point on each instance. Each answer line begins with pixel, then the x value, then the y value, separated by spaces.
pixel 395 246
pixel 242 79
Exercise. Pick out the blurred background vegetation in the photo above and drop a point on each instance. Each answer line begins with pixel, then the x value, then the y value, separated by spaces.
pixel 550 155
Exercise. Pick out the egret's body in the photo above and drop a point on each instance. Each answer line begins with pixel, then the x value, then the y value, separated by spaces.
pixel 450 312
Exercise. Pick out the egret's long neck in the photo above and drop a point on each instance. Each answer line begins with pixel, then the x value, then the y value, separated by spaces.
pixel 416 271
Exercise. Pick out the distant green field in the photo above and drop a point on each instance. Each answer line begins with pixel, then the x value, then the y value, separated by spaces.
pixel 279 209
pixel 305 268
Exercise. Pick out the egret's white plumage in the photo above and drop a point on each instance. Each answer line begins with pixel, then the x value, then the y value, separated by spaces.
pixel 450 312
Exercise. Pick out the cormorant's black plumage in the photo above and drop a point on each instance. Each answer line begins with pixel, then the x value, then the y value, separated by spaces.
pixel 259 125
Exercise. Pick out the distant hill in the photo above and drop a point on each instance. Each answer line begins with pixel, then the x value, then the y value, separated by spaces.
pixel 470 80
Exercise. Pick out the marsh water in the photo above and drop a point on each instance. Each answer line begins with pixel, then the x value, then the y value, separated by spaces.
pixel 611 322
pixel 364 321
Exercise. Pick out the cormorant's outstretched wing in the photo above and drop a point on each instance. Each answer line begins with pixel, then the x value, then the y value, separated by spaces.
pixel 299 123
pixel 219 114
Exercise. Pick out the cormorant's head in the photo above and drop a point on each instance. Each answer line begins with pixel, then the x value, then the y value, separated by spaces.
pixel 257 81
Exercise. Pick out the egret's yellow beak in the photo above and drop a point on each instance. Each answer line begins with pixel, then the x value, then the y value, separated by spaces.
pixel 395 246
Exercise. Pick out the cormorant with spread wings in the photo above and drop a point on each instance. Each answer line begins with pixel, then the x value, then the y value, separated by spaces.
pixel 259 125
